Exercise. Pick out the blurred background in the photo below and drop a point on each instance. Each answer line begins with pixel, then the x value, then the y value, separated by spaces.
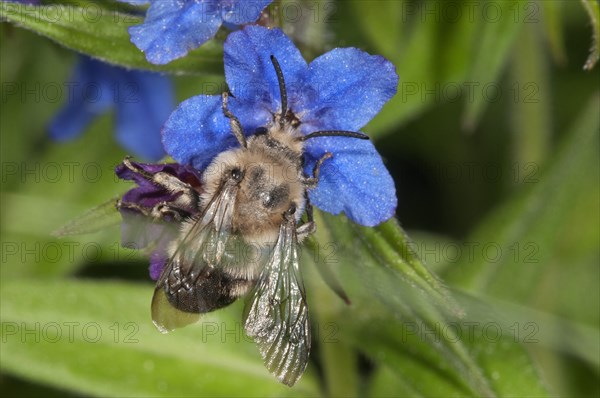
pixel 492 141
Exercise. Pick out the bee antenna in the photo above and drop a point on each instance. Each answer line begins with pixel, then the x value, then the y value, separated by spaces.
pixel 282 90
pixel 236 126
pixel 334 133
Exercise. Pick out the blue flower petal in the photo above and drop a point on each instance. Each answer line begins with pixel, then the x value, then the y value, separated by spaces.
pixel 70 122
pixel 32 2
pixel 197 131
pixel 355 181
pixel 239 12
pixel 141 112
pixel 135 2
pixel 249 115
pixel 249 72
pixel 345 88
pixel 174 27
pixel 89 95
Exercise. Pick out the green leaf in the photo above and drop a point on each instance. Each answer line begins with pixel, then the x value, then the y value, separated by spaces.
pixel 41 193
pixel 416 69
pixel 431 51
pixel 380 22
pixel 540 249
pixel 46 184
pixel 417 373
pixel 30 250
pixel 388 246
pixel 553 29
pixel 498 32
pixel 523 235
pixel 403 317
pixel 97 339
pixel 102 33
pixel 533 328
pixel 386 383
pixel 531 114
pixel 593 9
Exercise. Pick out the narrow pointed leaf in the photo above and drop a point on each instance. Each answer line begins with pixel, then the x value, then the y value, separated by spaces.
pixel 97 339
pixel 593 9
pixel 527 229
pixel 403 317
pixel 496 39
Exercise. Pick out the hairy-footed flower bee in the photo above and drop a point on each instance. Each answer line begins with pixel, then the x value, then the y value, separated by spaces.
pixel 241 238
pixel 227 218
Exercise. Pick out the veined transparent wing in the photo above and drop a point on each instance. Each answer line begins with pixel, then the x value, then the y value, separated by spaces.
pixel 192 281
pixel 93 220
pixel 138 231
pixel 276 314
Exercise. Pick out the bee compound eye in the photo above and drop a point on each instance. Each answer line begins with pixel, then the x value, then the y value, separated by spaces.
pixel 261 131
pixel 267 200
pixel 291 210
pixel 237 174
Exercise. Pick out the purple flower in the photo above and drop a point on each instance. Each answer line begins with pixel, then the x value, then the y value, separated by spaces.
pixel 143 101
pixel 174 27
pixel 138 230
pixel 340 90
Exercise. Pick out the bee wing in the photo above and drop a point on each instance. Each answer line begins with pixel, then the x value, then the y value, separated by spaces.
pixel 276 315
pixel 138 231
pixel 93 220
pixel 191 282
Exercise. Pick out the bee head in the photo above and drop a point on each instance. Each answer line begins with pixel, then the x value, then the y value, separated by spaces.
pixel 268 194
pixel 267 189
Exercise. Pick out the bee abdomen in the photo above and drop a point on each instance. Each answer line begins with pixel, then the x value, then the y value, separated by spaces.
pixel 206 291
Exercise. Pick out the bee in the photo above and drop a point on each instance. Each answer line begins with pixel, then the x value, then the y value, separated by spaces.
pixel 251 201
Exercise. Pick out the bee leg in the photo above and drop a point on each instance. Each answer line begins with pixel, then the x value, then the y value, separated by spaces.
pixel 169 182
pixel 163 209
pixel 132 206
pixel 305 230
pixel 312 182
pixel 162 179
pixel 317 169
pixel 236 126
pixel 158 212
pixel 309 227
pixel 137 170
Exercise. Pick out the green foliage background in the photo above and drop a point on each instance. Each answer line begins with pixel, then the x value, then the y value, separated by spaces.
pixel 493 143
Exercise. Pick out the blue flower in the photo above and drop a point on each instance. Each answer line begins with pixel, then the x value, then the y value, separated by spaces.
pixel 143 101
pixel 340 90
pixel 174 27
